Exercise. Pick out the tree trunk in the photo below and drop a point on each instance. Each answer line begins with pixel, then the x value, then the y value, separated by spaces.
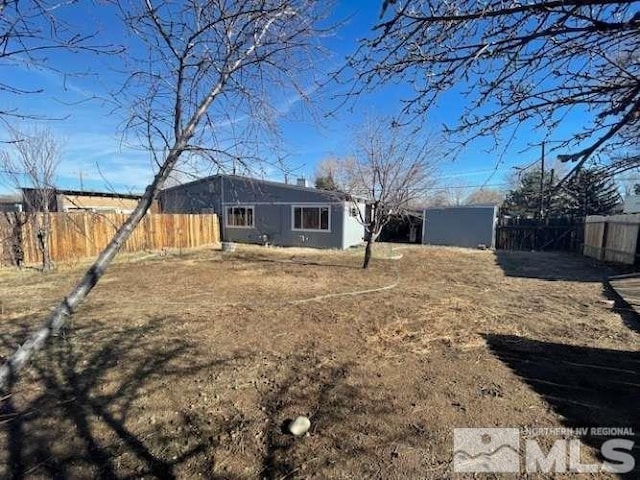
pixel 68 305
pixel 238 59
pixel 367 252
pixel 46 251
pixel 17 222
pixel 43 226
pixel 43 246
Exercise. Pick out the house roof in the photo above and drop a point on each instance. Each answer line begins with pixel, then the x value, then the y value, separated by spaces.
pixel 264 182
pixel 86 193
pixel 10 198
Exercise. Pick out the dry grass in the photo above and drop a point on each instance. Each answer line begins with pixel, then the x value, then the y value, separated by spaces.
pixel 187 365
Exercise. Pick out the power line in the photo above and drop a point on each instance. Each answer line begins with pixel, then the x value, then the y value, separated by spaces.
pixel 484 185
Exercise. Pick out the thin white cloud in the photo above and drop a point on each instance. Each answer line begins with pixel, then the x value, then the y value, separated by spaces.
pixel 101 159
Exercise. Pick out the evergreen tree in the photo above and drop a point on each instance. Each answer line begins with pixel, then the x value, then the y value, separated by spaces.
pixel 589 192
pixel 327 183
pixel 525 199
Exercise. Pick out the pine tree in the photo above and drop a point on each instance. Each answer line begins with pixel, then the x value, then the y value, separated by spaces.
pixel 589 192
pixel 327 183
pixel 524 200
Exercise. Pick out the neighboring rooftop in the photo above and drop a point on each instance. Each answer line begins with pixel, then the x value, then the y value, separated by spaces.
pixel 87 193
pixel 11 198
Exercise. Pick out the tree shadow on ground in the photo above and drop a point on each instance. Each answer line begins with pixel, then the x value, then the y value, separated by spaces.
pixel 81 409
pixel 551 266
pixel 628 314
pixel 303 383
pixel 67 418
pixel 588 387
pixel 320 393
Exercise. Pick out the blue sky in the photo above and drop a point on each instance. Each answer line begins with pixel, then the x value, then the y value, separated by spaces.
pixel 96 158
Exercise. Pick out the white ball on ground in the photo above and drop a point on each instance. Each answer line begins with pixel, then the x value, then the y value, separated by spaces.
pixel 299 426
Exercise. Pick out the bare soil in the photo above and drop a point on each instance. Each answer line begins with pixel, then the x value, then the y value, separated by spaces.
pixel 188 365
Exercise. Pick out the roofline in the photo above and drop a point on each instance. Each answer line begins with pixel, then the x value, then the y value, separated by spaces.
pixel 342 195
pixel 88 193
pixel 451 207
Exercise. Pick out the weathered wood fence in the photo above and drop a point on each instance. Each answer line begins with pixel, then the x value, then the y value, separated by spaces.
pixel 75 236
pixel 560 234
pixel 613 238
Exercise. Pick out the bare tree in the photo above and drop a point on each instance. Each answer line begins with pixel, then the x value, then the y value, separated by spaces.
pixel 203 58
pixel 518 63
pixel 391 169
pixel 29 31
pixel 442 197
pixel 451 195
pixel 485 196
pixel 30 164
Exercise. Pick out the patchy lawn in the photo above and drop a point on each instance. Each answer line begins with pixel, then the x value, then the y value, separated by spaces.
pixel 188 365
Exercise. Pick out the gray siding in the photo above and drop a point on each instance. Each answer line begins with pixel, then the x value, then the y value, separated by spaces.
pixel 194 197
pixel 275 221
pixel 460 226
pixel 272 204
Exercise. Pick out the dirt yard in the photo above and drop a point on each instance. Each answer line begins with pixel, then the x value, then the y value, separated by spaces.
pixel 188 366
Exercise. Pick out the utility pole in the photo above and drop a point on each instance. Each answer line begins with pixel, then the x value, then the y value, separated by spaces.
pixel 547 204
pixel 539 230
pixel 542 184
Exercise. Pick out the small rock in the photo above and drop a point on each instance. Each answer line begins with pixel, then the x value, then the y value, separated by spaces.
pixel 299 426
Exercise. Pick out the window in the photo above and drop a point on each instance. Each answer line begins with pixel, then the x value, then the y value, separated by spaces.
pixel 240 217
pixel 311 218
pixel 354 212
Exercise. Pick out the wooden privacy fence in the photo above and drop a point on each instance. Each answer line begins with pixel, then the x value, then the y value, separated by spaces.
pixel 562 233
pixel 613 238
pixel 78 235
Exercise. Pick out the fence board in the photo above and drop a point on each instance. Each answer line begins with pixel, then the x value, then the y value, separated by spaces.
pixel 613 238
pixel 594 231
pixel 561 234
pixel 79 235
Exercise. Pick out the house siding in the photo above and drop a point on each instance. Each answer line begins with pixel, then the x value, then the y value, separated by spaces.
pixel 196 197
pixel 272 204
pixel 353 231
pixel 460 226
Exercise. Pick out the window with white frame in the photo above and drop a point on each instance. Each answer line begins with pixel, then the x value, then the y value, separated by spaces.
pixel 241 217
pixel 311 218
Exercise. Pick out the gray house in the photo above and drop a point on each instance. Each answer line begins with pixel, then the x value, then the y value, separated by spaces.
pixel 467 226
pixel 260 211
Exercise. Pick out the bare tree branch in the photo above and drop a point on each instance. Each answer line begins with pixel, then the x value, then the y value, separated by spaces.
pixel 29 31
pixel 31 166
pixel 391 168
pixel 518 63
pixel 226 50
